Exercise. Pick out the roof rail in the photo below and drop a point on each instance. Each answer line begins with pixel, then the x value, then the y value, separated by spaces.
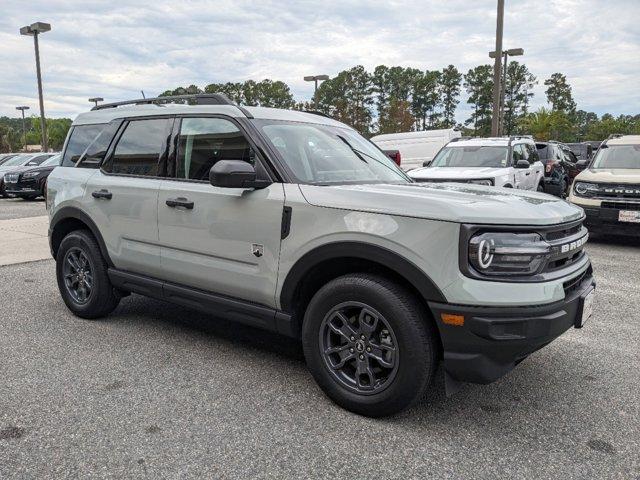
pixel 517 137
pixel 198 99
pixel 615 135
pixel 458 139
pixel 316 112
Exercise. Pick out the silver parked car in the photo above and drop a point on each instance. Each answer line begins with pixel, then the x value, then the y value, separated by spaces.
pixel 293 222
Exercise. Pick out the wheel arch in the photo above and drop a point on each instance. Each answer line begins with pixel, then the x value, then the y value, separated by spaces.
pixel 68 219
pixel 332 260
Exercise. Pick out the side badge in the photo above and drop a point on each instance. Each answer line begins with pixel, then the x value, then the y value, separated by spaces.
pixel 257 249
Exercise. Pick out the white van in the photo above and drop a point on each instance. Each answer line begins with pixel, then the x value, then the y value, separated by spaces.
pixel 417 149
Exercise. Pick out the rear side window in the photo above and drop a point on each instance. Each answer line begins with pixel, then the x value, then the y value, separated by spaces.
pixel 138 149
pixel 80 137
pixel 533 153
pixel 35 161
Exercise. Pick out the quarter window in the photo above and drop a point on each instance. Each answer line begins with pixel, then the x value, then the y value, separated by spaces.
pixel 79 139
pixel 138 150
pixel 205 141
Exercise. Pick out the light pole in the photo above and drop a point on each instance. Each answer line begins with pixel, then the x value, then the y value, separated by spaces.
pixel 34 30
pixel 96 100
pixel 495 120
pixel 24 128
pixel 512 52
pixel 315 79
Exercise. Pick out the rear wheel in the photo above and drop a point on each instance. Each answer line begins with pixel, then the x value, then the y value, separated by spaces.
pixel 369 344
pixel 82 276
pixel 564 189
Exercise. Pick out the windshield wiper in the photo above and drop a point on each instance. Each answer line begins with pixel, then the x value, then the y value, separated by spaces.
pixel 360 153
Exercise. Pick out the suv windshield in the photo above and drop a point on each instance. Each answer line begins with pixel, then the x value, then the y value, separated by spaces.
pixel 478 156
pixel 55 160
pixel 617 156
pixel 321 154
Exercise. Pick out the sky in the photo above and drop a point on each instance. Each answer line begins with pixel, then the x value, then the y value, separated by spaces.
pixel 113 49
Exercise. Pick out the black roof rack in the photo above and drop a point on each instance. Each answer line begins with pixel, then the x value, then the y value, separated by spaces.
pixel 615 135
pixel 197 99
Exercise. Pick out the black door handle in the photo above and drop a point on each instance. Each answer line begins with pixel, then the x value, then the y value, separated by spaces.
pixel 528 173
pixel 106 194
pixel 179 202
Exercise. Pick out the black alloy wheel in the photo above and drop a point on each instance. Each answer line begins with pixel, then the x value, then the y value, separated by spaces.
pixel 359 347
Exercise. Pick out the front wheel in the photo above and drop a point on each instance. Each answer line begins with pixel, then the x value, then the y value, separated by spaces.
pixel 369 344
pixel 82 276
pixel 540 187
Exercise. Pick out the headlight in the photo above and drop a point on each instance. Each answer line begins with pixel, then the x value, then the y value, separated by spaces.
pixel 487 182
pixel 30 174
pixel 508 254
pixel 585 189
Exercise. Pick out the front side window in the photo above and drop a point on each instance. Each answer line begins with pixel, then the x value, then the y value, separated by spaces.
pixel 533 153
pixel 322 154
pixel 618 156
pixel 79 139
pixel 97 149
pixel 138 149
pixel 472 156
pixel 205 141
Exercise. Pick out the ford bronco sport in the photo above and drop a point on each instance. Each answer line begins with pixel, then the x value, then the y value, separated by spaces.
pixel 293 222
pixel 609 190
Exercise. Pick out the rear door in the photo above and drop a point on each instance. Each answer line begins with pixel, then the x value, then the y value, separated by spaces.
pixel 222 240
pixel 122 196
pixel 537 168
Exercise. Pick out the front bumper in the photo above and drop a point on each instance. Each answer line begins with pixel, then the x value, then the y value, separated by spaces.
pixel 606 220
pixel 28 187
pixel 493 340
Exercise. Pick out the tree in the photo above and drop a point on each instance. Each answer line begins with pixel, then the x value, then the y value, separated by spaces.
pixel 348 97
pixel 397 118
pixel 547 125
pixel 582 121
pixel 426 98
pixel 57 129
pixel 450 81
pixel 478 83
pixel 395 84
pixel 559 93
pixel 518 89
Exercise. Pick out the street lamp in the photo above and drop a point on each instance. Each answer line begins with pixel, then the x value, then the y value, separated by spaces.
pixel 24 128
pixel 315 79
pixel 34 30
pixel 512 52
pixel 96 100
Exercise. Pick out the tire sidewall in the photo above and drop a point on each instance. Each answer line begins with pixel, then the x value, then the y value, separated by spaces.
pixel 412 351
pixel 82 241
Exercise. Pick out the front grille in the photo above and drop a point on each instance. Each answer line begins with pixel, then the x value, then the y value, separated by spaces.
pixel 621 205
pixel 568 243
pixel 614 190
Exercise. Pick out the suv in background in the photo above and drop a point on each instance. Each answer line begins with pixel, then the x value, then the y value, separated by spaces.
pixel 510 162
pixel 582 150
pixel 560 167
pixel 609 190
pixel 293 222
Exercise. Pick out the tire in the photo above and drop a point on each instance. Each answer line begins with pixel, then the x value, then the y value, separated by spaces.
pixel 101 298
pixel 540 188
pixel 410 332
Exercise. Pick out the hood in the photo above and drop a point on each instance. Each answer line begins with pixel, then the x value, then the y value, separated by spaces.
pixel 447 202
pixel 610 175
pixel 456 173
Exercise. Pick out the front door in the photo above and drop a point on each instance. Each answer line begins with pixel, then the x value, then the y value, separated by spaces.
pixel 522 175
pixel 222 240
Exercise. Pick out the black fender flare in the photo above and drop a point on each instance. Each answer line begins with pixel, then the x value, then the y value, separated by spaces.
pixel 360 250
pixel 66 213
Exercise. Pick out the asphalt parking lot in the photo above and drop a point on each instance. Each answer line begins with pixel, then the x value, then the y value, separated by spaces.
pixel 155 391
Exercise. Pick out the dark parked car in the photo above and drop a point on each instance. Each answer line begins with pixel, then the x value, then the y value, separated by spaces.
pixel 30 183
pixel 560 167
pixel 582 150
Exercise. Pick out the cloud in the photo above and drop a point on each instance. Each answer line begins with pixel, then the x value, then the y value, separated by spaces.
pixel 115 49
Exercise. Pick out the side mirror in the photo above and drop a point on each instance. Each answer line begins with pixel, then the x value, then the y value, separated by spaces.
pixel 235 174
pixel 522 164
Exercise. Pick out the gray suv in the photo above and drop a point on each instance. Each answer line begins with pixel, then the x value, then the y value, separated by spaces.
pixel 293 222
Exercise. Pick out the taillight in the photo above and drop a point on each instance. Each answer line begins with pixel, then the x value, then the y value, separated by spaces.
pixel 397 158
